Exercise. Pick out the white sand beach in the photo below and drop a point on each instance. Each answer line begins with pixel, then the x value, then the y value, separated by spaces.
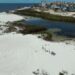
pixel 8 17
pixel 30 55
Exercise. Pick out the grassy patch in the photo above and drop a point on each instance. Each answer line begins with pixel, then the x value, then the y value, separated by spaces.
pixel 29 29
pixel 47 35
pixel 31 12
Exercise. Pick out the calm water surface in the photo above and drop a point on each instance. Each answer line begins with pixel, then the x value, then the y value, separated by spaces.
pixel 67 29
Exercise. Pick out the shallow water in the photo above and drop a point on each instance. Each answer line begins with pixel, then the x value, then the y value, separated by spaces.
pixel 67 29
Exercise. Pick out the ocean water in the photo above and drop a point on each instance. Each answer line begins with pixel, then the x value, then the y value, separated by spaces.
pixel 13 6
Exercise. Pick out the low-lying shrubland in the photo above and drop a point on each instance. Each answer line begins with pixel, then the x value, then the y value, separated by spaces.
pixel 45 15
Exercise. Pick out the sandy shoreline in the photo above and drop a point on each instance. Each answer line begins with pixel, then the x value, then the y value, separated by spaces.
pixel 19 55
pixel 69 14
pixel 9 17
pixel 30 55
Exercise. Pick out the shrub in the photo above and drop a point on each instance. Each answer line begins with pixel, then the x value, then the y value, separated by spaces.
pixel 48 16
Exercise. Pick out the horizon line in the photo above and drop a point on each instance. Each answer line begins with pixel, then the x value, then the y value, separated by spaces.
pixel 36 2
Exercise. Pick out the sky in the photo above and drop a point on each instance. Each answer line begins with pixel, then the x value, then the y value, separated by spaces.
pixel 29 1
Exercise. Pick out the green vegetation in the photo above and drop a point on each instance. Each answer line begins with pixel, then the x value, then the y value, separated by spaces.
pixel 31 12
pixel 29 29
pixel 32 29
pixel 46 35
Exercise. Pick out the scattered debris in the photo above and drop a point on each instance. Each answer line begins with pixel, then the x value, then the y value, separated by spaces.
pixel 53 53
pixel 40 72
pixel 60 73
pixel 48 51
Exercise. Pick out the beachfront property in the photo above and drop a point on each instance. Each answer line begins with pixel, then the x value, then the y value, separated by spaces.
pixel 56 8
pixel 63 6
pixel 57 5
